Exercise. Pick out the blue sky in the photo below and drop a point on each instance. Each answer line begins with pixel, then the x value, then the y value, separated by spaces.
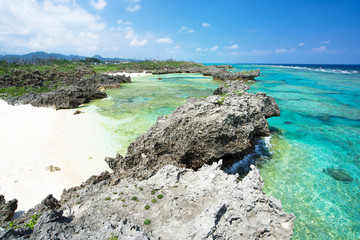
pixel 234 31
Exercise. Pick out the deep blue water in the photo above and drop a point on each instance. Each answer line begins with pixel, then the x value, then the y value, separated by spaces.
pixel 319 128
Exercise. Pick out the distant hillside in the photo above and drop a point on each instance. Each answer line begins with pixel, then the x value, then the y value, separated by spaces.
pixel 34 56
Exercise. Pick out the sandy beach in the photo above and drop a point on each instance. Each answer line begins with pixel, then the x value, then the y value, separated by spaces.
pixel 33 138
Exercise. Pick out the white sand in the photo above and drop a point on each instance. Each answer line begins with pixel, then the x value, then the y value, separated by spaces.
pixel 129 74
pixel 31 139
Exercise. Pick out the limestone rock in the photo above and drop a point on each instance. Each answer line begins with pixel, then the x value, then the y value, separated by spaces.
pixel 7 209
pixel 203 204
pixel 49 203
pixel 201 131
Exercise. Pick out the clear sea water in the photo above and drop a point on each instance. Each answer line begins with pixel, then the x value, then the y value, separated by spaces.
pixel 319 128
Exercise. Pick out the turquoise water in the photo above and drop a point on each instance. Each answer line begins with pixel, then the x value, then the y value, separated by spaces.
pixel 323 105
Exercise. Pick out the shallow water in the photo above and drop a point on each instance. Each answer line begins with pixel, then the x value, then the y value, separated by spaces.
pixel 136 106
pixel 321 103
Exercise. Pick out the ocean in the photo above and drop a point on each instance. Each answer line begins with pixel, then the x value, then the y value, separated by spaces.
pixel 319 129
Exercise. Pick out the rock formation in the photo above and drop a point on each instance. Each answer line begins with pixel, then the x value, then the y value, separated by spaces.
pixel 64 90
pixel 206 204
pixel 7 209
pixel 200 132
pixel 171 184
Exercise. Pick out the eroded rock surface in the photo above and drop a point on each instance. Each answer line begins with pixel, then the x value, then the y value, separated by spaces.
pixel 7 209
pixel 201 131
pixel 203 204
pixel 69 89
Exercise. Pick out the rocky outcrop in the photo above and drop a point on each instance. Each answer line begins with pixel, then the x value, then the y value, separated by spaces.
pixel 222 74
pixel 165 187
pixel 200 132
pixel 58 89
pixel 232 88
pixel 203 204
pixel 49 203
pixel 7 209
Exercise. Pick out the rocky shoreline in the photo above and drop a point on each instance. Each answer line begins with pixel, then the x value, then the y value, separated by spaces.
pixel 62 90
pixel 69 89
pixel 171 184
pixel 218 72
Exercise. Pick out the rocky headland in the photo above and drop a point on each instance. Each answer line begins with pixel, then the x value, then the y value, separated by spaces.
pixel 218 72
pixel 171 185
pixel 57 88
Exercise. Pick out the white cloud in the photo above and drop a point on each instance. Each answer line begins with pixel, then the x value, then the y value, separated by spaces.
pixel 326 42
pixel 133 5
pixel 261 52
pixel 115 48
pixel 165 40
pixel 205 25
pixel 47 25
pixel 198 49
pixel 138 43
pixel 319 49
pixel 284 50
pixel 177 47
pixel 119 21
pixel 98 4
pixel 214 48
pixel 301 44
pixel 234 46
pixel 233 53
pixel 185 30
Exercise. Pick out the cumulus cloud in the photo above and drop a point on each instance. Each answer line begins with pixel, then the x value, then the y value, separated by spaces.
pixel 135 42
pixel 177 47
pixel 98 4
pixel 284 50
pixel 214 48
pixel 326 42
pixel 133 5
pixel 205 25
pixel 301 44
pixel 47 25
pixel 319 49
pixel 261 52
pixel 138 43
pixel 234 46
pixel 165 40
pixel 184 29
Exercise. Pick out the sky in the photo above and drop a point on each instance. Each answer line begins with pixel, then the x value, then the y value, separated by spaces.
pixel 228 31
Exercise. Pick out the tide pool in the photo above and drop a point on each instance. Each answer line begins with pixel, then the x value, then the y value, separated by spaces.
pixel 319 128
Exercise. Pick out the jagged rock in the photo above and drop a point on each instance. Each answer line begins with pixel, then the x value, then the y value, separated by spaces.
pixel 201 131
pixel 203 204
pixel 244 75
pixel 7 209
pixel 78 87
pixel 62 98
pixel 232 88
pixel 49 203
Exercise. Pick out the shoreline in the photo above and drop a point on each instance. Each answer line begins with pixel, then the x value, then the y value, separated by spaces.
pixel 34 138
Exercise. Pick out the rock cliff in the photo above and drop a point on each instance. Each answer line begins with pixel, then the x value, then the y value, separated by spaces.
pixel 200 132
